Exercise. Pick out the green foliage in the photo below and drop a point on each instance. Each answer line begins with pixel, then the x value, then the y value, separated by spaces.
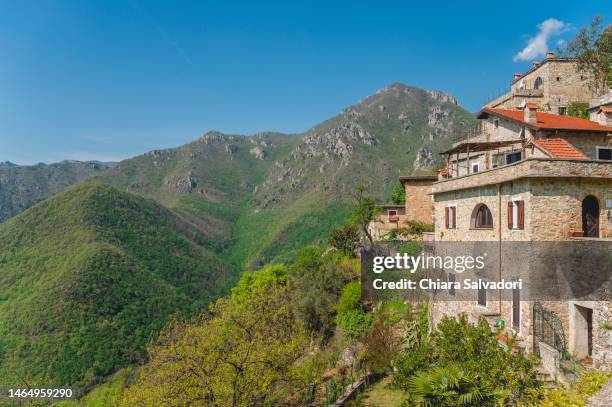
pixel 317 280
pixel 578 109
pixel 592 47
pixel 364 211
pixel 415 228
pixel 345 239
pixel 398 196
pixel 350 297
pixel 87 277
pixel 451 386
pixel 243 355
pixel 251 281
pixel 23 186
pixel 382 343
pixel 577 394
pixel 606 325
pixel 354 323
pixel 475 350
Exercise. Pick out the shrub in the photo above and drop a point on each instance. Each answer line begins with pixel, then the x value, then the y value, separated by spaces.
pixel 354 323
pixel 589 383
pixel 451 385
pixel 578 109
pixel 476 350
pixel 345 239
pixel 398 196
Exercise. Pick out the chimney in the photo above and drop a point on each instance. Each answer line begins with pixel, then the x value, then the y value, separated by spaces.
pixel 536 64
pixel 529 113
pixel 517 76
pixel 550 54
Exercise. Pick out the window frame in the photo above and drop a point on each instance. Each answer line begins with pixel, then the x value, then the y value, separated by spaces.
pixel 477 164
pixel 450 221
pixel 513 152
pixel 476 217
pixel 599 148
pixel 516 214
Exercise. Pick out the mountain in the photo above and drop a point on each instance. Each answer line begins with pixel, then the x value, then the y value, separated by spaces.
pixel 257 198
pixel 23 186
pixel 87 277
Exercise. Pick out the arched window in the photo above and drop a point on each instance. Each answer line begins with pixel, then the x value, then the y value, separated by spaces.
pixel 482 217
pixel 538 83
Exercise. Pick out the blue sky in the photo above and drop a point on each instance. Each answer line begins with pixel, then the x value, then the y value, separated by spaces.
pixel 111 79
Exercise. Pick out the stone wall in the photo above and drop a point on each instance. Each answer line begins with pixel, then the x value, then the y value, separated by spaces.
pixel 587 143
pixel 562 84
pixel 419 201
pixel 555 206
pixel 531 168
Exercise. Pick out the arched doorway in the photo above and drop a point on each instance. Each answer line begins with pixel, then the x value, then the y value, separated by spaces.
pixel 590 216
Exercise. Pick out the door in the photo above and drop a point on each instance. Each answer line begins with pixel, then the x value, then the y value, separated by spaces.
pixel 516 309
pixel 590 216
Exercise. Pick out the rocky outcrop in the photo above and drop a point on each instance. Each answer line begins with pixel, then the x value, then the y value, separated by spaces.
pixel 424 159
pixel 257 152
pixel 442 97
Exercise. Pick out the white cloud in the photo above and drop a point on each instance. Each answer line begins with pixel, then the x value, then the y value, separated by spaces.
pixel 538 45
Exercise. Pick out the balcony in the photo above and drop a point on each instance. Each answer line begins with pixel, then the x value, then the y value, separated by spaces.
pixel 528 168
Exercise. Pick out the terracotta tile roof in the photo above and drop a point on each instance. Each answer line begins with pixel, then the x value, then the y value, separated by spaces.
pixel 560 148
pixel 548 121
pixel 606 109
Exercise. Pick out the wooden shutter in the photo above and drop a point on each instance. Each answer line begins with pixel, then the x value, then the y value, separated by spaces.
pixel 521 214
pixel 454 217
pixel 446 216
pixel 510 210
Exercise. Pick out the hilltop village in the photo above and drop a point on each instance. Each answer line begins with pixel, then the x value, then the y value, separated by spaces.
pixel 531 171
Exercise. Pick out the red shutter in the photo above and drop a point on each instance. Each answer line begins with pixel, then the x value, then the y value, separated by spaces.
pixel 510 220
pixel 446 217
pixel 521 214
pixel 454 217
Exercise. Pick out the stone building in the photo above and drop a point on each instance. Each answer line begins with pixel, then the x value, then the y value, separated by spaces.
pixel 526 175
pixel 418 207
pixel 553 84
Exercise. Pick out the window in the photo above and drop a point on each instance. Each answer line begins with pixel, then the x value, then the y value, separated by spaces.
pixel 475 167
pixel 483 218
pixel 392 214
pixel 450 217
pixel 513 157
pixel 558 79
pixel 516 215
pixel 452 278
pixel 522 133
pixel 498 160
pixel 538 83
pixel 496 123
pixel 482 295
pixel 562 110
pixel 604 153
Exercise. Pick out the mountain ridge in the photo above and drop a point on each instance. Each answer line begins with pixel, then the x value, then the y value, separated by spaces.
pixel 88 276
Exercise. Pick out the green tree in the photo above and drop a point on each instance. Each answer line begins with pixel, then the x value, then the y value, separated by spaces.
pixel 398 196
pixel 364 212
pixel 243 355
pixel 316 280
pixel 345 239
pixel 592 48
